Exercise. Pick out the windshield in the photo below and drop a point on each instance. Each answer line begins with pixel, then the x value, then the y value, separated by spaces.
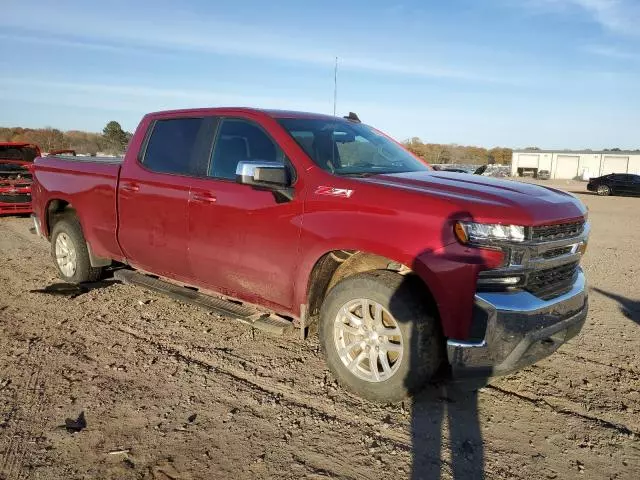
pixel 348 148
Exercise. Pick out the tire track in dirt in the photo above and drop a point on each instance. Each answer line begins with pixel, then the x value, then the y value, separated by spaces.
pixel 293 397
pixel 25 427
pixel 389 438
pixel 538 402
pixel 595 362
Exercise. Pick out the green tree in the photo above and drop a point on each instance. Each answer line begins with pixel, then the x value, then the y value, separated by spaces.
pixel 115 138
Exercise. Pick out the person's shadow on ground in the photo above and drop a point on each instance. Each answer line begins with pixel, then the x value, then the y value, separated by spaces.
pixel 446 406
pixel 453 408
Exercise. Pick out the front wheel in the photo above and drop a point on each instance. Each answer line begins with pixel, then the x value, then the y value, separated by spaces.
pixel 604 190
pixel 379 338
pixel 70 253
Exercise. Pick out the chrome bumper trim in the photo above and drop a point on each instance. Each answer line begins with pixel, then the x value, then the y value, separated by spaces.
pixel 520 330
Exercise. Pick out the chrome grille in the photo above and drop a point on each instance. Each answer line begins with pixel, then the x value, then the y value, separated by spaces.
pixel 556 232
pixel 557 252
pixel 15 198
pixel 551 282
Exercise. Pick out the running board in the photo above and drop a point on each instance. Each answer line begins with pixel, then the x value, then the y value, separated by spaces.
pixel 270 323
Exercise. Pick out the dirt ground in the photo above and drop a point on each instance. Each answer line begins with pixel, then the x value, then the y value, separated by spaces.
pixel 169 391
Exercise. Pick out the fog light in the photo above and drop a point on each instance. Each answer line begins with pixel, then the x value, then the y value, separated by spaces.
pixel 502 281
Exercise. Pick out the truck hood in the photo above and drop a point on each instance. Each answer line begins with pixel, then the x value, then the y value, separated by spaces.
pixel 489 199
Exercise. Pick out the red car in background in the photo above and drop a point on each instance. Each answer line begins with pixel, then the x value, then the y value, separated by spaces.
pixel 16 164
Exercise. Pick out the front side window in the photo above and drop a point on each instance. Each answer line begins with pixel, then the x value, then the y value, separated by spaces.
pixel 179 146
pixel 241 140
pixel 347 148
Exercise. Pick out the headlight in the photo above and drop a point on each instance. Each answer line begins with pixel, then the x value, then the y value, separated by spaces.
pixel 471 232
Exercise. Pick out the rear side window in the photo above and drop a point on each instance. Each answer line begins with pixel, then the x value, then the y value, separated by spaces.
pixel 180 146
pixel 241 140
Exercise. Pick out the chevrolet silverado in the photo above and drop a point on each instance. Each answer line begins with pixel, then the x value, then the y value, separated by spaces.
pixel 278 217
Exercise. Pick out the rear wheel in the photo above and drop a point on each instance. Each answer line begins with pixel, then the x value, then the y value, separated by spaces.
pixel 379 338
pixel 70 253
pixel 603 190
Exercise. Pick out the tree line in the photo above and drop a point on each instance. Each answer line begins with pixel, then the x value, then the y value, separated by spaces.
pixel 436 153
pixel 112 141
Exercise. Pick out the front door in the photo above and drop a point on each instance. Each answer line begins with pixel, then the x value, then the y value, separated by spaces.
pixel 153 194
pixel 628 185
pixel 635 189
pixel 243 241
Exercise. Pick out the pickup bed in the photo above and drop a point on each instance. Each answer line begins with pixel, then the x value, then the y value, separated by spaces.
pixel 410 273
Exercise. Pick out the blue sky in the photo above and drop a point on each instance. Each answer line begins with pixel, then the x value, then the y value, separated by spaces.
pixel 551 73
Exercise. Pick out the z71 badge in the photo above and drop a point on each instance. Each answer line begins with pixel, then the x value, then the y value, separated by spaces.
pixel 334 192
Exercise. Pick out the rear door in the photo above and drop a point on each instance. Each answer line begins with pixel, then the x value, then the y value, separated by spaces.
pixel 153 194
pixel 243 241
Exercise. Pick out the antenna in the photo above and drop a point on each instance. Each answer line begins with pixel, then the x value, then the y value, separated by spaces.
pixel 335 101
pixel 335 87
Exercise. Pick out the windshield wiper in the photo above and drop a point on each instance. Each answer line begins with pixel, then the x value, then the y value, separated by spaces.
pixel 369 174
pixel 359 174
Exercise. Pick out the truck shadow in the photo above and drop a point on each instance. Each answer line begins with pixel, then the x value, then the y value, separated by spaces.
pixel 444 406
pixel 629 308
pixel 71 290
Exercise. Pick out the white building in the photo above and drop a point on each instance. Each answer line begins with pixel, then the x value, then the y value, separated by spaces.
pixel 568 164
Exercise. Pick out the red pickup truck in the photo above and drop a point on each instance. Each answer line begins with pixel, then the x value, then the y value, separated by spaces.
pixel 295 217
pixel 16 160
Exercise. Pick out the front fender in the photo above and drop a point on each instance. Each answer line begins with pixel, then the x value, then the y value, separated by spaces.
pixel 449 273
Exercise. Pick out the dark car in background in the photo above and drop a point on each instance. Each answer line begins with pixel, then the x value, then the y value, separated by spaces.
pixel 543 175
pixel 615 184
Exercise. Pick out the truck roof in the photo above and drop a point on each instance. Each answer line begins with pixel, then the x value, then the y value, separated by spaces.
pixel 274 113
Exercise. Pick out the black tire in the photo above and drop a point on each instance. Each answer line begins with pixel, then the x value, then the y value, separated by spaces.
pixel 403 297
pixel 603 190
pixel 68 223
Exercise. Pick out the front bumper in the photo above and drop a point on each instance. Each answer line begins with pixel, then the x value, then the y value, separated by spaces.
pixel 519 329
pixel 15 208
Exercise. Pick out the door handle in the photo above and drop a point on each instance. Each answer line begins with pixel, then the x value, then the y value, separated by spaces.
pixel 204 197
pixel 130 186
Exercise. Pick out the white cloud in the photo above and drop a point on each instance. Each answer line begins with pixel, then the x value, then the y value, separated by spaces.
pixel 61 42
pixel 118 33
pixel 618 16
pixel 611 52
pixel 137 97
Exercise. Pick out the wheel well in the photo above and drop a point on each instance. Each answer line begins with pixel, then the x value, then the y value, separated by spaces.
pixel 340 264
pixel 54 210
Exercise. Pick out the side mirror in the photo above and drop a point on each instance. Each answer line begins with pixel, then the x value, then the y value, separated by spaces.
pixel 262 174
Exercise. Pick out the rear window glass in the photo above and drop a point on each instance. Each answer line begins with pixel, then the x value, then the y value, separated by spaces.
pixel 180 146
pixel 25 154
